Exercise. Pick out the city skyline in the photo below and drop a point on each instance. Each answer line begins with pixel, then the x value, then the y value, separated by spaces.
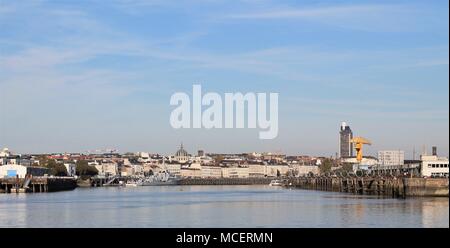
pixel 90 75
pixel 415 154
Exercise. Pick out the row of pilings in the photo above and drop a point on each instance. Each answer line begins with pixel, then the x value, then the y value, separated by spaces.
pixel 398 187
pixel 37 184
pixel 390 187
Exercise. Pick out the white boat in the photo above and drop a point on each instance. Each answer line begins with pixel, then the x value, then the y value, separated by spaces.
pixel 131 184
pixel 278 183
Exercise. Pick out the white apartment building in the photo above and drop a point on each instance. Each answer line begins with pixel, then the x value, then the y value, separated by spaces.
pixel 273 170
pixel 257 170
pixel 434 166
pixel 138 168
pixel 107 169
pixel 211 172
pixel 235 172
pixel 391 157
pixel 188 172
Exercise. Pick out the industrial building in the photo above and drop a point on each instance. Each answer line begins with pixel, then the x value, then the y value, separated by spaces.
pixel 433 165
pixel 13 170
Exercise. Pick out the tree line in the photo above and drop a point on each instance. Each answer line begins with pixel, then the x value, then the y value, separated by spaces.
pixel 82 168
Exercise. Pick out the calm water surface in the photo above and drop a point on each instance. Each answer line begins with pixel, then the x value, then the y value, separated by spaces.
pixel 216 206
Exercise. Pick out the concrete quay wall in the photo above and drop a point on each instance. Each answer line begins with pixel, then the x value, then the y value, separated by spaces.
pixel 426 186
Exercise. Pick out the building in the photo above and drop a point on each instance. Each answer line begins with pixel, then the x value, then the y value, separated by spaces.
pixel 181 156
pixel 138 169
pixel 5 153
pixel 345 146
pixel 13 170
pixel 434 166
pixel 257 170
pixel 127 170
pixel 275 170
pixel 391 158
pixel 107 169
pixel 71 169
pixel 174 169
pixel 7 157
pixel 366 163
pixel 190 172
pixel 235 172
pixel 211 172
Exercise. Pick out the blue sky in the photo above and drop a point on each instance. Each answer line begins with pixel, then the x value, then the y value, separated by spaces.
pixel 84 75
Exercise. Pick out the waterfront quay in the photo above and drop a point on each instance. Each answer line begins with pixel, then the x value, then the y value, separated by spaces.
pixel 99 182
pixel 225 181
pixel 383 186
pixel 37 184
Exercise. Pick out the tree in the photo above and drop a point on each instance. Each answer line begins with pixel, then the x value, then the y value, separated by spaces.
pixel 325 166
pixel 85 170
pixel 42 160
pixel 55 168
pixel 345 169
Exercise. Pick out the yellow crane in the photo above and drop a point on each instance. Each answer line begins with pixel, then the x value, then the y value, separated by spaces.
pixel 359 142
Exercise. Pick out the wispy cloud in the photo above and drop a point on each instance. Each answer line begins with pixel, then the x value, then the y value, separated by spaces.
pixel 363 17
pixel 318 12
pixel 430 63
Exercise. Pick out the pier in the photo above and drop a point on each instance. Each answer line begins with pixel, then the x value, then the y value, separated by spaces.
pixel 383 186
pixel 37 184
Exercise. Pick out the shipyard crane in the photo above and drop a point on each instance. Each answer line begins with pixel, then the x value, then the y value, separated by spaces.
pixel 359 142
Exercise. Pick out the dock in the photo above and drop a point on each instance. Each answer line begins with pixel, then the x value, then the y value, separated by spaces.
pixel 37 184
pixel 383 186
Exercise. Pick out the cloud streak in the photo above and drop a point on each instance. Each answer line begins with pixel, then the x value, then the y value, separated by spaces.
pixel 320 12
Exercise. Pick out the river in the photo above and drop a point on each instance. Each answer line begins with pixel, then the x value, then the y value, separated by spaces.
pixel 217 206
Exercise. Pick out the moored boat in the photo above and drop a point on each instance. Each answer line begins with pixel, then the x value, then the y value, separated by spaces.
pixel 278 183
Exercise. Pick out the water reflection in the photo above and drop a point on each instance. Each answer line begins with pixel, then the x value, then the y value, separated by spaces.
pixel 434 212
pixel 217 206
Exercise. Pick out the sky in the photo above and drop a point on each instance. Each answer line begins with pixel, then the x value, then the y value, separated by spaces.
pixel 77 76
